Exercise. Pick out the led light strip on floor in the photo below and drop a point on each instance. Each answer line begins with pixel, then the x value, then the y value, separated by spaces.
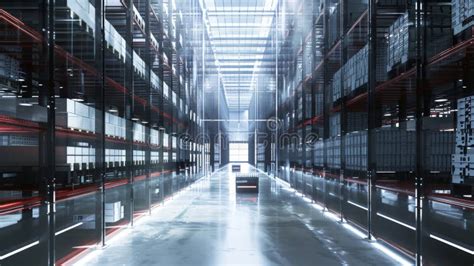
pixel 452 244
pixel 67 229
pixel 19 250
pixel 357 205
pixel 396 221
pixel 120 235
pixel 37 242
pixel 390 253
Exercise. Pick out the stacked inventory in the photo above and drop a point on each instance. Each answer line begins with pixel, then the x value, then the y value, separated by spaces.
pixel 18 140
pixel 318 153
pixel 333 148
pixel 335 125
pixel 115 157
pixel 260 160
pixel 9 68
pixel 115 126
pixel 217 155
pixel 336 85
pixel 401 36
pixel 80 157
pixel 462 15
pixel 463 159
pixel 395 149
pixel 299 109
pixel 439 149
pixel 75 115
pixel 356 150
pixel 356 70
pixel 400 48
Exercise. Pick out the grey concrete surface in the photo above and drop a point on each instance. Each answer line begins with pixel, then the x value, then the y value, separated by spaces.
pixel 210 224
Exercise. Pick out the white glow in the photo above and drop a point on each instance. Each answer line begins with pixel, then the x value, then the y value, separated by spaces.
pixel 397 221
pixel 89 257
pixel 354 230
pixel 331 215
pixel 452 244
pixel 357 205
pixel 391 254
pixel 67 229
pixel 18 250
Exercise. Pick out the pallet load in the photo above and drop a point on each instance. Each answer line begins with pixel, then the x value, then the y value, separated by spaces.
pixel 462 15
pixel 463 160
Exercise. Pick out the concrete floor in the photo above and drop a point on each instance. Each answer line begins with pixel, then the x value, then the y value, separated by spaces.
pixel 211 225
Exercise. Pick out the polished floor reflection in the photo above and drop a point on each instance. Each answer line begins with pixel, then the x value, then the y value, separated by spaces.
pixel 210 224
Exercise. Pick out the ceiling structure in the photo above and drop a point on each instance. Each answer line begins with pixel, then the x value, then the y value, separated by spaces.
pixel 239 32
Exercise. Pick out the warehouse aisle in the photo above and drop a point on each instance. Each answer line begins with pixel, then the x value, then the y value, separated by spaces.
pixel 211 225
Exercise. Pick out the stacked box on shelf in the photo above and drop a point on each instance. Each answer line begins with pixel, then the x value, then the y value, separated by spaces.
pixel 355 71
pixel 335 124
pixel 401 38
pixel 462 168
pixel 75 115
pixel 398 42
pixel 9 68
pixel 439 148
pixel 308 110
pixel 333 149
pixel 462 15
pixel 138 132
pixel 336 86
pixel 395 149
pixel 83 156
pixel 318 153
pixel 299 109
pixel 18 140
pixel 115 126
pixel 115 157
pixel 356 150
pixel 319 104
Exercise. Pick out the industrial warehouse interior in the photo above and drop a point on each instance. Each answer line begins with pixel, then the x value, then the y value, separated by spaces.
pixel 236 132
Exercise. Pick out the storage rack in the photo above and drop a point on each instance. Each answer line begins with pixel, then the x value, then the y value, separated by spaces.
pixel 108 103
pixel 381 145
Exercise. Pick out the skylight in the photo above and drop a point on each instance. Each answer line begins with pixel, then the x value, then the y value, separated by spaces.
pixel 239 32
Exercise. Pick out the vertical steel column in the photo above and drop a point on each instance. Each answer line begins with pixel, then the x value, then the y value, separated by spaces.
pixel 420 18
pixel 303 111
pixel 100 62
pixel 148 62
pixel 161 75
pixel 51 135
pixel 203 154
pixel 277 14
pixel 326 97
pixel 130 104
pixel 343 123
pixel 313 92
pixel 371 109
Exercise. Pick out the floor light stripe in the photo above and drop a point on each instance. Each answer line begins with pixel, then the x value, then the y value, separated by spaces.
pixel 19 250
pixel 452 244
pixel 357 205
pixel 67 229
pixel 396 221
